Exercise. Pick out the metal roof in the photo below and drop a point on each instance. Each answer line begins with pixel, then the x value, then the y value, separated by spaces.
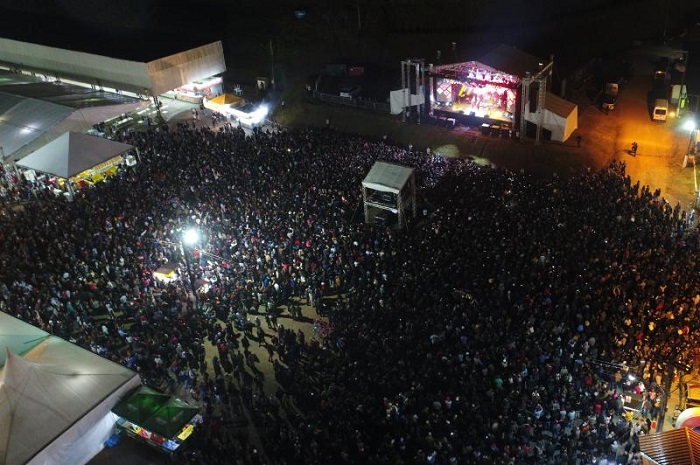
pixel 512 61
pixel 387 177
pixel 674 447
pixel 22 120
pixel 62 93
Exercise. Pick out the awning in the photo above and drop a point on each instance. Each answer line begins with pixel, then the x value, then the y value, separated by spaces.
pixel 674 447
pixel 72 153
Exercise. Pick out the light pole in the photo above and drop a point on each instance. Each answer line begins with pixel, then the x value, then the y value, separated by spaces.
pixel 272 66
pixel 189 238
pixel 683 94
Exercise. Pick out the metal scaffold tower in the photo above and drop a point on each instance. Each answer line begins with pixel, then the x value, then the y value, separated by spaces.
pixel 539 79
pixel 413 67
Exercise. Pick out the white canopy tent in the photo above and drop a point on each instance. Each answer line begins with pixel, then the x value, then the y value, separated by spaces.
pixel 78 120
pixel 72 153
pixel 22 120
pixel 389 187
pixel 560 117
pixel 55 401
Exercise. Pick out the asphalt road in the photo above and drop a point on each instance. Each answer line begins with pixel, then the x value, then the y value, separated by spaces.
pixel 662 146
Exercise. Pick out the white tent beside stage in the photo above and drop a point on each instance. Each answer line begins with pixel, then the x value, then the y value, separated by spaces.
pixel 560 117
pixel 56 399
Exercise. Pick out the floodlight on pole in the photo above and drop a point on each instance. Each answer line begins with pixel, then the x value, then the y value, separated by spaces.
pixel 189 238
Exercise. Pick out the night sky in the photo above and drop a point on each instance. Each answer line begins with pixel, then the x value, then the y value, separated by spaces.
pixel 378 32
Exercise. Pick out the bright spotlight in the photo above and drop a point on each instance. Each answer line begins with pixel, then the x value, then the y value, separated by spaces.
pixel 689 125
pixel 190 236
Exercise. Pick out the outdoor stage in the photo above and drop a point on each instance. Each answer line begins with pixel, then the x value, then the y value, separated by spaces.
pixel 473 94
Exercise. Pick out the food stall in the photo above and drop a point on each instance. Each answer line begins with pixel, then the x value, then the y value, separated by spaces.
pixel 194 92
pixel 246 113
pixel 159 420
pixel 98 172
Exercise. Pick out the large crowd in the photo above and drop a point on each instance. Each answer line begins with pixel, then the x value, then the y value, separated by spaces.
pixel 499 326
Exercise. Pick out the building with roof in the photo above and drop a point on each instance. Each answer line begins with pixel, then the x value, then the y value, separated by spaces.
pixel 59 75
pixel 148 76
pixel 34 111
pixel 505 88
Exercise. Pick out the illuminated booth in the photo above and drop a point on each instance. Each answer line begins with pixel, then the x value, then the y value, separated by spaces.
pixel 156 419
pixel 246 113
pixel 388 192
pixel 195 92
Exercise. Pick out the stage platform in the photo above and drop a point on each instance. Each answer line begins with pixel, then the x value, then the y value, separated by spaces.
pixel 474 121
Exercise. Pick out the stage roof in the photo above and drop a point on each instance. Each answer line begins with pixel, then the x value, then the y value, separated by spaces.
pixel 510 60
pixel 504 59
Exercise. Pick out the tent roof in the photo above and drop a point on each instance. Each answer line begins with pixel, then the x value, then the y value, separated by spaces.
pixel 512 61
pixel 72 153
pixel 673 447
pixel 43 393
pixel 558 105
pixel 140 405
pixel 157 412
pixel 171 417
pixel 23 120
pixel 387 177
pixel 19 337
pixel 227 99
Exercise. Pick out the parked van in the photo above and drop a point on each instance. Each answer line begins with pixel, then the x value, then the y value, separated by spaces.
pixel 660 111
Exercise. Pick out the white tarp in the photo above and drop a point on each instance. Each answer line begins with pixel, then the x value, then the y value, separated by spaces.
pixel 387 177
pixel 81 120
pixel 560 117
pixel 398 99
pixel 22 120
pixel 55 402
pixel 72 153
